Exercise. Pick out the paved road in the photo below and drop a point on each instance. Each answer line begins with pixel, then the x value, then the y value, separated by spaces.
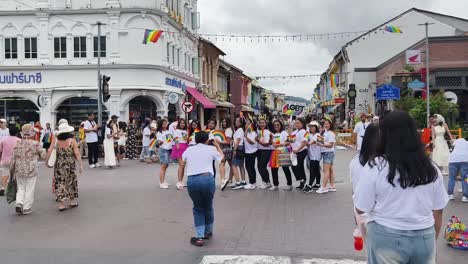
pixel 124 218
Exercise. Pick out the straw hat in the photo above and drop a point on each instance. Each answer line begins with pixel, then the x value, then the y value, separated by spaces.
pixel 65 128
pixel 314 123
pixel 27 131
pixel 62 121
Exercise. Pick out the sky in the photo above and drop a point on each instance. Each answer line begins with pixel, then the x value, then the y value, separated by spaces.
pixel 270 17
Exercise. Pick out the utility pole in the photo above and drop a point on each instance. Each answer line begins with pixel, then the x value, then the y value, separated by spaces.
pixel 428 81
pixel 99 79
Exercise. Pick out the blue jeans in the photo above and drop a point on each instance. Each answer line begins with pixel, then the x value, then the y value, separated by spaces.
pixel 391 246
pixel 201 189
pixel 454 169
pixel 144 152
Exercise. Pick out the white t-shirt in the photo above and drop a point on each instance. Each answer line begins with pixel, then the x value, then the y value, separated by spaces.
pixel 299 136
pixel 328 137
pixel 228 133
pixel 172 127
pixel 167 139
pixel 395 207
pixel 360 130
pixel 460 152
pixel 280 138
pixel 181 136
pixel 266 138
pixel 199 159
pixel 355 170
pixel 314 149
pixel 4 133
pixel 91 137
pixel 239 135
pixel 146 137
pixel 251 148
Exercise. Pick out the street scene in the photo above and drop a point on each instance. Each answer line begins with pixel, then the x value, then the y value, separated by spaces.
pixel 202 131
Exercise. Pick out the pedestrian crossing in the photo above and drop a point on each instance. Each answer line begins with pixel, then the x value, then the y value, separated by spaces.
pixel 272 260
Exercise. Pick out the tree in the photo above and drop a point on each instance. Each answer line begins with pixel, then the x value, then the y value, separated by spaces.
pixel 438 104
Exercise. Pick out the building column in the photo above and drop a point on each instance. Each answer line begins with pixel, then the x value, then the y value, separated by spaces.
pixel 43 38
pixel 113 42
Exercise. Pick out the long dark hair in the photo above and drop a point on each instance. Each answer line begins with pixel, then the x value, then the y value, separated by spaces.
pixel 160 125
pixel 401 147
pixel 369 143
pixel 228 123
pixel 181 120
pixel 191 130
pixel 281 126
pixel 242 123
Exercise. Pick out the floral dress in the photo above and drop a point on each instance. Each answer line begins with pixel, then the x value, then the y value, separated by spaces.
pixel 130 151
pixel 66 182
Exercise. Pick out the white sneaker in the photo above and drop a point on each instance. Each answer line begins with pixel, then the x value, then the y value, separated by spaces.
pixel 167 184
pixel 92 166
pixel 97 165
pixel 465 199
pixel 163 186
pixel 268 185
pixel 224 184
pixel 331 189
pixel 180 185
pixel 451 197
pixel 322 190
pixel 262 186
pixel 460 190
pixel 249 187
pixel 287 188
pixel 273 188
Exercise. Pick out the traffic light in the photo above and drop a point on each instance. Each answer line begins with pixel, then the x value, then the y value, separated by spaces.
pixel 105 88
pixel 352 97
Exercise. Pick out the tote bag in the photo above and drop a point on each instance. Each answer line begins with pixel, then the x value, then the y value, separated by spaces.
pixel 53 157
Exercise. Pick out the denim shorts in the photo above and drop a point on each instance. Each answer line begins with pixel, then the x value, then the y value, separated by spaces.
pixel 328 157
pixel 164 156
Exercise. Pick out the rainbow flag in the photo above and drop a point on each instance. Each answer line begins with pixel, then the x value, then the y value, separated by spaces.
pixel 169 138
pixel 219 134
pixel 153 143
pixel 261 133
pixel 152 36
pixel 48 138
pixel 277 140
pixel 334 80
pixel 393 29
pixel 291 138
pixel 307 136
pixel 249 128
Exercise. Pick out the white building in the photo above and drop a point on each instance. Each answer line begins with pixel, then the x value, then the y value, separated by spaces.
pixel 359 58
pixel 48 48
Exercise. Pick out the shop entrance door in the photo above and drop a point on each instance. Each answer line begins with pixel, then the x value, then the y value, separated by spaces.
pixel 76 110
pixel 18 111
pixel 142 107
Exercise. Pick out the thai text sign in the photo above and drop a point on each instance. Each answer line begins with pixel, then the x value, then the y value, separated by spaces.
pixel 20 78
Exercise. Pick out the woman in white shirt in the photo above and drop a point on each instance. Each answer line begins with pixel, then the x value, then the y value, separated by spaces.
pixel 315 156
pixel 238 154
pixel 251 153
pixel 280 138
pixel 458 163
pixel 328 157
pixel 145 141
pixel 194 129
pixel 181 143
pixel 264 141
pixel 299 147
pixel 402 191
pixel 201 185
pixel 108 145
pixel 164 141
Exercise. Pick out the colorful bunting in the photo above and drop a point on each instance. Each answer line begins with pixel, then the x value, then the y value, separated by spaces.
pixel 393 29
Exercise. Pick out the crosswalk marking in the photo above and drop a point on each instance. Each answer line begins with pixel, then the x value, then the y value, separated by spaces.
pixel 271 260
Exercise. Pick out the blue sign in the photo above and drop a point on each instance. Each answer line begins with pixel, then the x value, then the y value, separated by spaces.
pixel 416 85
pixel 176 83
pixel 21 78
pixel 388 92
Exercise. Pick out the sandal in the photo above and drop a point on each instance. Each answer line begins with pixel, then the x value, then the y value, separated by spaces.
pixel 198 242
pixel 61 209
pixel 73 206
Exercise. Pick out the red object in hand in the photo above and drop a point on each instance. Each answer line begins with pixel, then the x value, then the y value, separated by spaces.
pixel 358 243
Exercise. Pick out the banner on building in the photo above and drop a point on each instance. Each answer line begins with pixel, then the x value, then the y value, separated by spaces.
pixel 293 109
pixel 413 57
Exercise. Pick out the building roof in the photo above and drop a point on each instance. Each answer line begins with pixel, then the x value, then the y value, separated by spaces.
pixel 209 43
pixel 226 65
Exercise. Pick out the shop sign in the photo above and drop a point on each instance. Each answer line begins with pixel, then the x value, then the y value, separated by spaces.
pixel 293 109
pixel 176 83
pixel 388 92
pixel 413 57
pixel 20 78
pixel 339 100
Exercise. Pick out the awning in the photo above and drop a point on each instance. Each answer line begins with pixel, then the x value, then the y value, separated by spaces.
pixel 246 108
pixel 206 102
pixel 222 104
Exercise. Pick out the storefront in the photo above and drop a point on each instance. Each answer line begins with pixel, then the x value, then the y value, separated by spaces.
pixel 52 93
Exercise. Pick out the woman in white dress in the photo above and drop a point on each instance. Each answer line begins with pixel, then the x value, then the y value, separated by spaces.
pixel 441 151
pixel 109 152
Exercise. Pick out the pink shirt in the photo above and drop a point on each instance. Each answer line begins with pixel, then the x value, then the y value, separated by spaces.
pixel 6 149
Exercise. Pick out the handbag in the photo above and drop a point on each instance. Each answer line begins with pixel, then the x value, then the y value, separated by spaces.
pixel 53 157
pixel 11 190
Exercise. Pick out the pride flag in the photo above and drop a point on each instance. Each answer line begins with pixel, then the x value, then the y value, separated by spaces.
pixel 393 29
pixel 48 138
pixel 153 143
pixel 334 80
pixel 152 36
pixel 219 134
